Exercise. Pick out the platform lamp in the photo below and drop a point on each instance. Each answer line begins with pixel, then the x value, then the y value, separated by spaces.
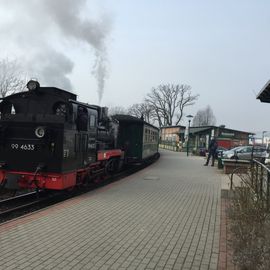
pixel 189 119
pixel 263 136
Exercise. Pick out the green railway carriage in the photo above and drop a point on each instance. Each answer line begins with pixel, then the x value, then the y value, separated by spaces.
pixel 137 138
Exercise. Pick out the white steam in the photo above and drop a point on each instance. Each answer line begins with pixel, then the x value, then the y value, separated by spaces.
pixel 42 27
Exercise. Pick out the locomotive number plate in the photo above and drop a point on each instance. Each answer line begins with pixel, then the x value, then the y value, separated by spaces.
pixel 23 147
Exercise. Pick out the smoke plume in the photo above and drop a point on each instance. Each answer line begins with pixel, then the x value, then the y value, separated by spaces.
pixel 49 24
pixel 51 67
pixel 94 33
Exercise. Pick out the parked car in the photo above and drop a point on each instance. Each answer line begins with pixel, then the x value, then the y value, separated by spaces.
pixel 231 153
pixel 246 152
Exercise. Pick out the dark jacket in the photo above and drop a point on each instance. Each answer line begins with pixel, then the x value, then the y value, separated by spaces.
pixel 213 146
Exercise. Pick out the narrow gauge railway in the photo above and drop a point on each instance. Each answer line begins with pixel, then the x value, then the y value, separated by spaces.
pixel 6 193
pixel 51 142
pixel 9 207
pixel 14 207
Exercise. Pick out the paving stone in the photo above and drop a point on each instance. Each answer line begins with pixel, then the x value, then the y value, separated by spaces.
pixel 133 223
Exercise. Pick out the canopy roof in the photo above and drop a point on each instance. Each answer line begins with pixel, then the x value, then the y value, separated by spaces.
pixel 264 95
pixel 205 129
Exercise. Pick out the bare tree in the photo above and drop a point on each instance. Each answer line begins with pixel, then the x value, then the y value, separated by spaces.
pixel 142 110
pixel 117 110
pixel 169 101
pixel 204 117
pixel 12 79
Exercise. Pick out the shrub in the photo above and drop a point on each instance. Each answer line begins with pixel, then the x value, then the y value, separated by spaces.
pixel 249 230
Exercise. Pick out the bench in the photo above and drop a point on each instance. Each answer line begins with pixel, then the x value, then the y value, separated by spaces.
pixel 229 165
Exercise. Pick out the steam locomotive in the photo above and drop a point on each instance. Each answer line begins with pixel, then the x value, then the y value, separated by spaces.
pixel 49 140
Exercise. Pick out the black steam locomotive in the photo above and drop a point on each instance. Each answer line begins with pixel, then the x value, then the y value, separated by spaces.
pixel 49 140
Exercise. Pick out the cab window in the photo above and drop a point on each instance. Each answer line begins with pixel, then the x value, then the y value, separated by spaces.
pixel 92 121
pixel 82 118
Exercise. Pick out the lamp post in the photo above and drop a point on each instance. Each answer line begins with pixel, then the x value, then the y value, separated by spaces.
pixel 263 136
pixel 189 119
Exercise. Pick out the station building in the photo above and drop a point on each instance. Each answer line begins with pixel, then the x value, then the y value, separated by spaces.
pixel 171 133
pixel 228 138
pixel 199 137
pixel 171 137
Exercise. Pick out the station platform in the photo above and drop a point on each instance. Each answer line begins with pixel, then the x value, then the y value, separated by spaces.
pixel 166 216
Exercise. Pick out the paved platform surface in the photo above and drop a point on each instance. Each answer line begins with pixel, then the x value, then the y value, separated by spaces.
pixel 167 216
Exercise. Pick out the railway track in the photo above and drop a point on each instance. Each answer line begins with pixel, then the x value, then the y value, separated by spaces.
pixel 10 207
pixel 23 204
pixel 5 194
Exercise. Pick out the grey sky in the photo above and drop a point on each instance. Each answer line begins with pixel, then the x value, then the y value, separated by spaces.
pixel 220 48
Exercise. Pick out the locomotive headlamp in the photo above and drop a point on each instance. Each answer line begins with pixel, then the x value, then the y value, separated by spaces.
pixel 40 132
pixel 33 85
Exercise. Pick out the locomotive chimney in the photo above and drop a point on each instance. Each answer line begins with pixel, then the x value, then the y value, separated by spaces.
pixel 103 114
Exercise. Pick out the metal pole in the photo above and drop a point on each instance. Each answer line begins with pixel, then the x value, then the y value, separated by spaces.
pixel 267 190
pixel 188 136
pixel 263 136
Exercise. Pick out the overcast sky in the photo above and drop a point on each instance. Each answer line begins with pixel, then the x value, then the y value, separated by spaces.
pixel 220 48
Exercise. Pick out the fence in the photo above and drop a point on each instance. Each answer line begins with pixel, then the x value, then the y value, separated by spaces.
pixel 257 178
pixel 249 218
pixel 260 181
pixel 169 145
pixel 173 146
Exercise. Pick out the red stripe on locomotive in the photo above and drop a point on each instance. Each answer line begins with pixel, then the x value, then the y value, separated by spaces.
pixel 107 154
pixel 41 180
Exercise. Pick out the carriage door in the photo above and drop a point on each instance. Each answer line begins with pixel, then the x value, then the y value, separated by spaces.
pixel 92 136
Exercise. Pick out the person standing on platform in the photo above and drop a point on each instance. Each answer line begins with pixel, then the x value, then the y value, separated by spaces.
pixel 212 151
